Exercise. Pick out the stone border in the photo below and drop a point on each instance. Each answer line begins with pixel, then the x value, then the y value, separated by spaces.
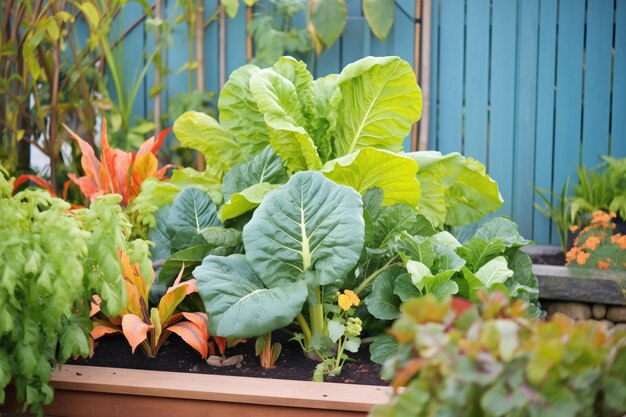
pixel 583 285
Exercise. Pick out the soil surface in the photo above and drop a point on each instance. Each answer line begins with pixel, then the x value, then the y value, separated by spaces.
pixel 548 259
pixel 176 356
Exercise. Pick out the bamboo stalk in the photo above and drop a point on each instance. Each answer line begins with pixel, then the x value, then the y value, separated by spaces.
pixel 425 75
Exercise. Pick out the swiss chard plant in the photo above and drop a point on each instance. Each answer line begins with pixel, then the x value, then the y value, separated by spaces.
pixel 149 327
pixel 52 259
pixel 454 358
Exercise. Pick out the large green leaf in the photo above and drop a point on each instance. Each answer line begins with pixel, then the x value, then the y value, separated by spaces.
pixel 478 252
pixel 379 15
pixel 523 284
pixel 456 186
pixel 296 72
pixel 238 304
pixel 496 271
pixel 190 257
pixel 278 100
pixel 192 210
pixel 370 167
pixel 323 90
pixel 382 303
pixel 309 225
pixel 246 200
pixel 202 132
pixel 392 222
pixel 504 230
pixel 376 102
pixel 266 166
pixel 239 113
pixel 327 20
pixel 382 348
pixel 160 236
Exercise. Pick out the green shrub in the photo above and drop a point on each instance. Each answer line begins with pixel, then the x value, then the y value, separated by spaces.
pixel 52 261
pixel 459 360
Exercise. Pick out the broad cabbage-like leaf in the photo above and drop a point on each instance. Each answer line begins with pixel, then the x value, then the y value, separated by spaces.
pixel 370 167
pixel 496 271
pixel 383 347
pixel 278 100
pixel 309 225
pixel 503 229
pixel 457 190
pixel 264 167
pixel 246 200
pixel 296 72
pixel 382 303
pixel 238 303
pixel 203 133
pixel 376 102
pixel 239 113
pixel 323 90
pixel 477 252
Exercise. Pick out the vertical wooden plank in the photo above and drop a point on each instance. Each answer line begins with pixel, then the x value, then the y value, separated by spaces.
pixel 503 57
pixel 433 132
pixel 618 134
pixel 568 94
pixel 477 79
pixel 451 75
pixel 597 98
pixel 545 111
pixel 526 85
pixel 235 41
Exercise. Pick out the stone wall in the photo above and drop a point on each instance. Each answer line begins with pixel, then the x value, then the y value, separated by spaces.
pixel 611 316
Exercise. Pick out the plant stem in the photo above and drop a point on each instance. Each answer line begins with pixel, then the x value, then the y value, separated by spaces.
pixel 316 314
pixel 306 330
pixel 367 281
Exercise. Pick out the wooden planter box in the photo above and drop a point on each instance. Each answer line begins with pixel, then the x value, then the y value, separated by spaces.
pixel 112 392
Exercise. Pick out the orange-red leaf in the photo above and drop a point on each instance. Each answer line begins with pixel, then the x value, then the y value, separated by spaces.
pixel 192 335
pixel 89 162
pixel 102 327
pixel 152 145
pixel 221 344
pixel 135 330
pixel 37 180
pixel 199 319
pixel 170 301
pixel 95 305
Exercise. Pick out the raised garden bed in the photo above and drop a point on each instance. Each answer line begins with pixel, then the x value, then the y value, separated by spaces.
pixel 105 392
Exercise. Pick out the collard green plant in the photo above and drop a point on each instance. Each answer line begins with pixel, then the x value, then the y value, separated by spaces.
pixel 304 236
pixel 457 359
pixel 53 259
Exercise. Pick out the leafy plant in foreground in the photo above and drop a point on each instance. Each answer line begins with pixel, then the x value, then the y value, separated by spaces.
pixel 51 260
pixel 458 359
pixel 149 327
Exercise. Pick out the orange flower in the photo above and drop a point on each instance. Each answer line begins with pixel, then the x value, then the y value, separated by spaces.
pixel 603 264
pixel 571 255
pixel 354 299
pixel 573 228
pixel 613 215
pixel 601 218
pixel 581 258
pixel 591 243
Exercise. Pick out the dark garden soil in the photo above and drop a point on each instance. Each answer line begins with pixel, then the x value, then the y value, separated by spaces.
pixel 548 258
pixel 176 356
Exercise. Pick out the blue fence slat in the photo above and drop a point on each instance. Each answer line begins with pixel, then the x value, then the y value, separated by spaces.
pixel 328 62
pixel 545 111
pixel 177 54
pixel 451 70
pixel 476 79
pixel 212 48
pixel 597 96
pixel 618 134
pixel 503 63
pixel 569 94
pixel 132 56
pixel 525 116
pixel 352 41
pixel 433 131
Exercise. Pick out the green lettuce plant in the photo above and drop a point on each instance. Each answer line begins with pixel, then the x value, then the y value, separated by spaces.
pixel 52 260
pixel 455 359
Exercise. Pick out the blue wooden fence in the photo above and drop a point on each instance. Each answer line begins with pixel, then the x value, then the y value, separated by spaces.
pixel 531 87
pixel 356 42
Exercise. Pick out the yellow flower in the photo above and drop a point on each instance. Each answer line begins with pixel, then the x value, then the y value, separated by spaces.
pixel 344 302
pixel 354 299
